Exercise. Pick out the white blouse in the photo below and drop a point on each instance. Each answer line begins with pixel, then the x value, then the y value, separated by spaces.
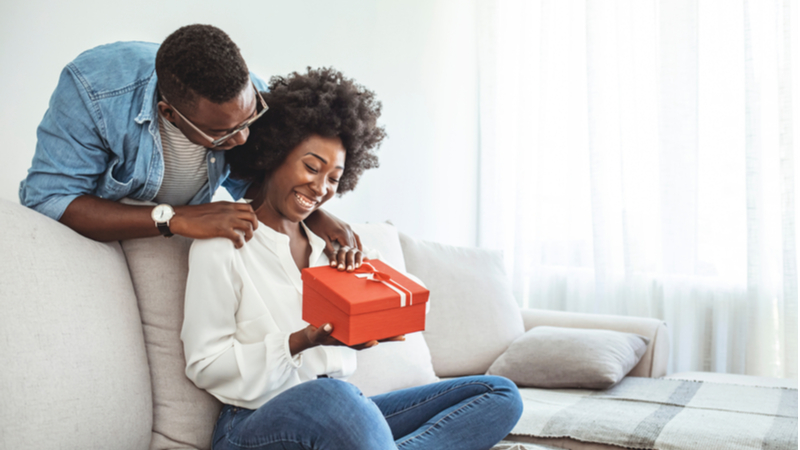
pixel 241 306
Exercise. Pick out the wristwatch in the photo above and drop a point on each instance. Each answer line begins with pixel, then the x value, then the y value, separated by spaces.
pixel 162 214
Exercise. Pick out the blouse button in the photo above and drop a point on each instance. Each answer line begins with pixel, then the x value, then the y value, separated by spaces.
pixel 213 160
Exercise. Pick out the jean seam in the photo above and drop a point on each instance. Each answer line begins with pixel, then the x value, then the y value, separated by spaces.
pixel 259 443
pixel 439 395
pixel 267 442
pixel 444 418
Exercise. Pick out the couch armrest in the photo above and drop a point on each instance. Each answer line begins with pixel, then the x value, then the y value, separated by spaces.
pixel 654 361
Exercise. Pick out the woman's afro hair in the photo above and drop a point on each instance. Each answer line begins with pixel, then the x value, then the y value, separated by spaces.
pixel 320 102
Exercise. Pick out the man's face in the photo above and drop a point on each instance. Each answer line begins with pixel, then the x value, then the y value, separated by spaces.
pixel 214 120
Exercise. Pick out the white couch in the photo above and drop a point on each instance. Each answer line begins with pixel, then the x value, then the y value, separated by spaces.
pixel 91 354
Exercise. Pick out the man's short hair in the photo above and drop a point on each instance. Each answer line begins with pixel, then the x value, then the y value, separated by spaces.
pixel 200 60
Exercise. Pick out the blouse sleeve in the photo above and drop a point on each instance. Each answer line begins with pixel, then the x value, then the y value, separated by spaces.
pixel 215 360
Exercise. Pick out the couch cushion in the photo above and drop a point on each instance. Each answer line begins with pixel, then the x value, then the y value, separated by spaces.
pixel 555 357
pixel 183 415
pixel 74 370
pixel 473 315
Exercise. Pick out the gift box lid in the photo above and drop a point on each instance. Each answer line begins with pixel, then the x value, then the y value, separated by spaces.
pixel 375 286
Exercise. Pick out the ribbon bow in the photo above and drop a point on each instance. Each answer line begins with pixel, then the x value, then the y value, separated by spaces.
pixel 369 272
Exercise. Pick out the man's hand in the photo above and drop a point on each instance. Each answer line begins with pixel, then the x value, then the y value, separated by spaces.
pixel 312 336
pixel 348 259
pixel 331 229
pixel 235 221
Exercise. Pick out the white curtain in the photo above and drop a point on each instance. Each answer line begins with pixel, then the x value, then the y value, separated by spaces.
pixel 639 157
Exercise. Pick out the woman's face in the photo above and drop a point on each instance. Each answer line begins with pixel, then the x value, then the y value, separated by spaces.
pixel 307 178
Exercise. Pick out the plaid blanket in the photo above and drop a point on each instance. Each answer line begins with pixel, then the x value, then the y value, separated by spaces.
pixel 656 414
pixel 508 445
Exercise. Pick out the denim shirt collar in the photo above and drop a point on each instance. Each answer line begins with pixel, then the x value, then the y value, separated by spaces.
pixel 149 107
pixel 217 169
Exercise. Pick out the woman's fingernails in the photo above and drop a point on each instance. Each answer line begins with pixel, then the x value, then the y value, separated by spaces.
pixel 327 328
pixel 333 263
pixel 349 267
pixel 341 266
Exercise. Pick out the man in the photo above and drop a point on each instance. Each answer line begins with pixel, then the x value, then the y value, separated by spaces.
pixel 151 123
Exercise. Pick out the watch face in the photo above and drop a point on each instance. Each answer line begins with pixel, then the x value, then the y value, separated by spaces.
pixel 162 213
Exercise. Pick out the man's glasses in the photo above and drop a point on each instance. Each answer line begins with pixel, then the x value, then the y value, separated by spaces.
pixel 219 141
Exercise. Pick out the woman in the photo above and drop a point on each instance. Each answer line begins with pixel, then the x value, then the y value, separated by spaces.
pixel 244 340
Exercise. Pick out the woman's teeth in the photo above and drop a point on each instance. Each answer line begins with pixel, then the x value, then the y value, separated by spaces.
pixel 304 201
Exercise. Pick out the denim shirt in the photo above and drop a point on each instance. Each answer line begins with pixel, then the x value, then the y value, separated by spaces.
pixel 100 134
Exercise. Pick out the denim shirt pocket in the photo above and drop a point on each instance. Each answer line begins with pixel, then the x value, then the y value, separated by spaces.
pixel 113 188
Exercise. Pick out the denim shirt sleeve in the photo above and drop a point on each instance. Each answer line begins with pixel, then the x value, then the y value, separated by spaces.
pixel 70 151
pixel 237 188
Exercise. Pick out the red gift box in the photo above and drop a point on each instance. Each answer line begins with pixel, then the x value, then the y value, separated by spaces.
pixel 374 302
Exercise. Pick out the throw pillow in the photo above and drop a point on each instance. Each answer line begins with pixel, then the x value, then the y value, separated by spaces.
pixel 383 238
pixel 473 315
pixel 394 365
pixel 183 415
pixel 391 365
pixel 553 357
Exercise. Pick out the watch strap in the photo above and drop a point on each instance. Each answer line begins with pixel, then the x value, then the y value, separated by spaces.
pixel 163 227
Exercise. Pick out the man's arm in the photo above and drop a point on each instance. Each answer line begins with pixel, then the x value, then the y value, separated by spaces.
pixel 331 229
pixel 105 220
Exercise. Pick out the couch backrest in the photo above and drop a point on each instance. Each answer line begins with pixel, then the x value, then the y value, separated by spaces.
pixel 74 369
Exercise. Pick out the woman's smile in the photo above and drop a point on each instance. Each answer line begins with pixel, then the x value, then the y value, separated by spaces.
pixel 305 201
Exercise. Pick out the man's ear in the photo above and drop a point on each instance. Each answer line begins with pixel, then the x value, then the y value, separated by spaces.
pixel 167 112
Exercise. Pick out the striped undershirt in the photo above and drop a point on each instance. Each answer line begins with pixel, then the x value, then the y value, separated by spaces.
pixel 185 166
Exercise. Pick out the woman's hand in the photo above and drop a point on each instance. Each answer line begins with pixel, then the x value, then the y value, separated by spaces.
pixel 331 229
pixel 312 336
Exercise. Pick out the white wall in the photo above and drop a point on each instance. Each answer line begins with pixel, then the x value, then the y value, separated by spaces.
pixel 418 55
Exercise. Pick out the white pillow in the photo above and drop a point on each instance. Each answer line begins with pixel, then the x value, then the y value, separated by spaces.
pixel 183 415
pixel 473 314
pixel 555 357
pixel 381 238
pixel 391 365
pixel 394 365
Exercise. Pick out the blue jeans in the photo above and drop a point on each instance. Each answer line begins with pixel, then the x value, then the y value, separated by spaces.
pixel 327 414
